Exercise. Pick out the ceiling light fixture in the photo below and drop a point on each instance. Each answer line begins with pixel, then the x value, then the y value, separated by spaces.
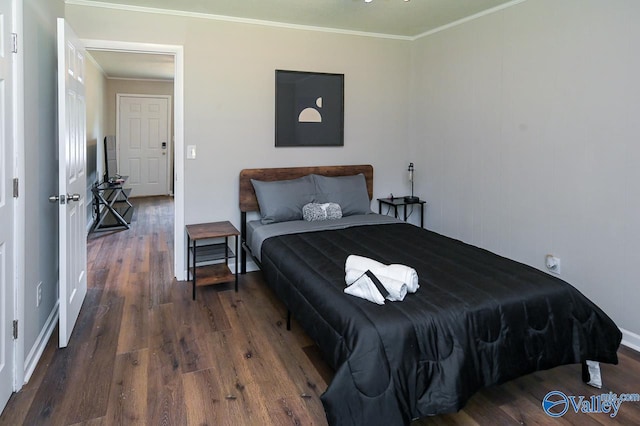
pixel 369 1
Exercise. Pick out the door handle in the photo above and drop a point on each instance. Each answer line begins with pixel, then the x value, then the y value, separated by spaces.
pixel 164 145
pixel 64 198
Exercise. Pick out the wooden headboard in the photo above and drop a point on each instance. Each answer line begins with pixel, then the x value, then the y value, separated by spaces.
pixel 248 201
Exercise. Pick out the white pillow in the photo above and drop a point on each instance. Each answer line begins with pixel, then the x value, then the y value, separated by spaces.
pixel 326 211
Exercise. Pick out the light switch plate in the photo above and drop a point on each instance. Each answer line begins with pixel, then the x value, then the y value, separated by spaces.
pixel 191 152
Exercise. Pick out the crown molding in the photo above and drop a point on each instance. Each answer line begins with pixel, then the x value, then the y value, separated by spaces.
pixel 152 80
pixel 224 18
pixel 468 18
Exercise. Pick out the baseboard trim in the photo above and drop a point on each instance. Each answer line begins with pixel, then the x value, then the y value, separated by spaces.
pixel 630 340
pixel 251 265
pixel 39 346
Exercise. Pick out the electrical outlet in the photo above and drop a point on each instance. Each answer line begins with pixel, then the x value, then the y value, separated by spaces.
pixel 39 294
pixel 552 263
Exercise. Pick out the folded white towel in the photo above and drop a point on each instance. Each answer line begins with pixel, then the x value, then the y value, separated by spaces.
pixel 402 273
pixel 397 289
pixel 365 288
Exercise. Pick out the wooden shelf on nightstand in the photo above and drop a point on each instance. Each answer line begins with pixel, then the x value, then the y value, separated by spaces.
pixel 207 262
pixel 213 274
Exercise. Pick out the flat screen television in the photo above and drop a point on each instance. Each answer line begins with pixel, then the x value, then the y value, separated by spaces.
pixel 110 159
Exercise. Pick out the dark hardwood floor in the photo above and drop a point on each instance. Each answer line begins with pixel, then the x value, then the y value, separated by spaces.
pixel 143 352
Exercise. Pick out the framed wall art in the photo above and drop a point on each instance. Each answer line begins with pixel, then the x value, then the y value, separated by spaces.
pixel 309 109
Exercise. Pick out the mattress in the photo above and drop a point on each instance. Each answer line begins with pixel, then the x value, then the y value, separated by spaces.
pixel 257 232
pixel 478 319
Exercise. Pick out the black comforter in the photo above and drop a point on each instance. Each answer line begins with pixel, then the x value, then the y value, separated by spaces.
pixel 478 319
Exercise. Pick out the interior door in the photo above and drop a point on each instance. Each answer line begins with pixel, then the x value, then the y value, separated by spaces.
pixel 7 261
pixel 143 141
pixel 71 179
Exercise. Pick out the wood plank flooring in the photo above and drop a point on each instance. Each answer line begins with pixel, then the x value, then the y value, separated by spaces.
pixel 144 353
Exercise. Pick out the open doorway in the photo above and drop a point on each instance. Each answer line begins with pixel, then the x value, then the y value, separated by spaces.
pixel 144 69
pixel 137 119
pixel 144 148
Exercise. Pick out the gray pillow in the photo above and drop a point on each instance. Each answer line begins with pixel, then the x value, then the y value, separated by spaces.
pixel 282 200
pixel 350 192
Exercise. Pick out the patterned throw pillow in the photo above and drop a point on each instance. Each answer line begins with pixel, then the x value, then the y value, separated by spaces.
pixel 314 211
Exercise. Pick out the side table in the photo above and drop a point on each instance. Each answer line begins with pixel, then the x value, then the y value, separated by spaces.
pixel 201 269
pixel 118 210
pixel 400 201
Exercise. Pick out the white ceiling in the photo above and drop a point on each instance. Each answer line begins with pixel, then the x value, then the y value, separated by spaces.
pixel 382 18
pixel 146 66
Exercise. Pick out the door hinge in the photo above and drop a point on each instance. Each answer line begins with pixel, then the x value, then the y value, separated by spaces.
pixel 15 329
pixel 14 42
pixel 15 187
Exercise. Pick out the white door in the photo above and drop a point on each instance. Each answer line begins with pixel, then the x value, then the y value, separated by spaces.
pixel 143 141
pixel 72 179
pixel 7 260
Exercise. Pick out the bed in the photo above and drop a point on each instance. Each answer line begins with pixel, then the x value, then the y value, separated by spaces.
pixel 477 320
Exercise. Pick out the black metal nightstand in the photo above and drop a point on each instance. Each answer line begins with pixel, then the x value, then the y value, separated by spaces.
pixel 208 252
pixel 400 201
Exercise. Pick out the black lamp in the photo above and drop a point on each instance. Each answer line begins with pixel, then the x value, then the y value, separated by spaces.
pixel 411 198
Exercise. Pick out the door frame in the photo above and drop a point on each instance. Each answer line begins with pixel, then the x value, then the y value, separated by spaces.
pixel 179 238
pixel 19 172
pixel 119 96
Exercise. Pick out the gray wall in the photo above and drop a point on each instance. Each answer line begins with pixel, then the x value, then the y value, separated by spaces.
pixel 229 98
pixel 525 131
pixel 41 156
pixel 521 124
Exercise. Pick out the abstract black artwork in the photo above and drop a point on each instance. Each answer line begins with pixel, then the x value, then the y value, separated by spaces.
pixel 309 109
